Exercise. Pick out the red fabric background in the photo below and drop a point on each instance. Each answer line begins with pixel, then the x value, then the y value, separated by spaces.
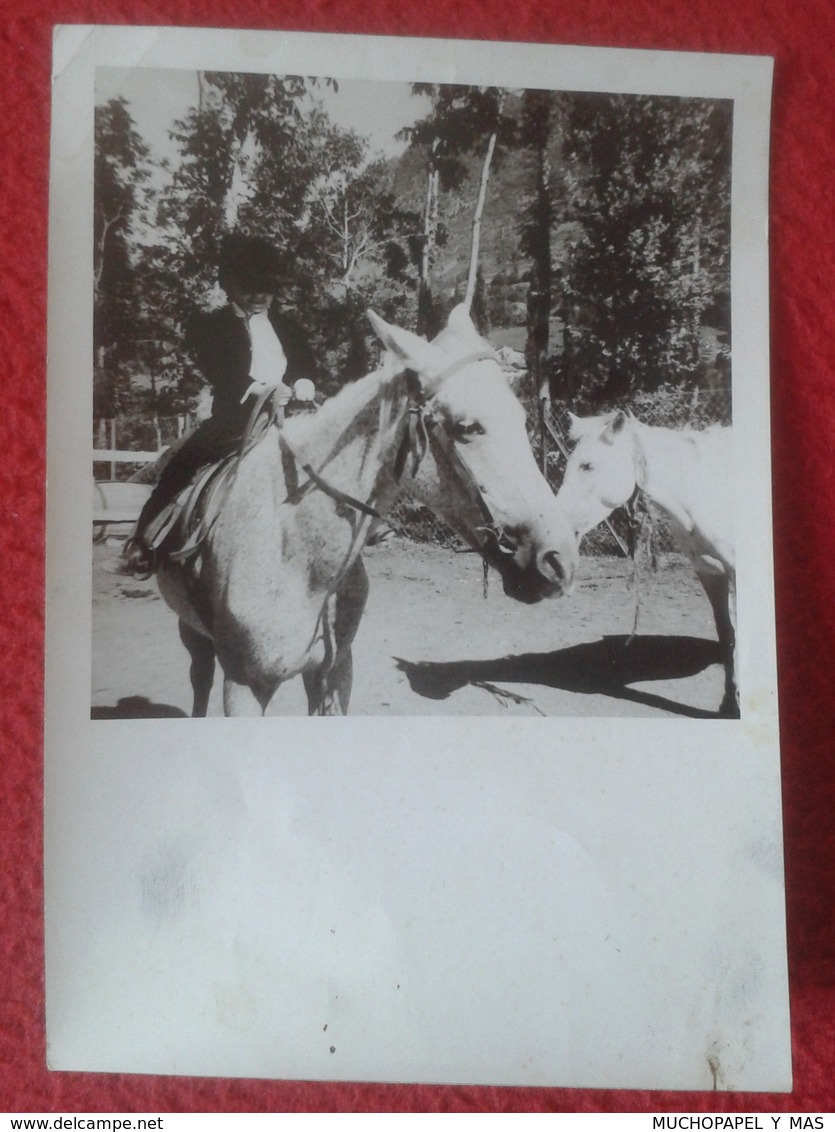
pixel 801 38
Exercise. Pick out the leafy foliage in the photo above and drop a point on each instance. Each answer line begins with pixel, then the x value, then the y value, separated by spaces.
pixel 461 119
pixel 122 171
pixel 647 180
pixel 604 244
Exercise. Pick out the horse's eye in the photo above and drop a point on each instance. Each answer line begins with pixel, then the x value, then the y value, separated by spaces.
pixel 463 430
pixel 586 466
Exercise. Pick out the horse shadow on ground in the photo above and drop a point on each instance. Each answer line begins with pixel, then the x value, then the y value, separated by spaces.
pixel 137 707
pixel 605 667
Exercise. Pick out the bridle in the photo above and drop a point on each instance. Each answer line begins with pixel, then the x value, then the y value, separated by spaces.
pixel 425 431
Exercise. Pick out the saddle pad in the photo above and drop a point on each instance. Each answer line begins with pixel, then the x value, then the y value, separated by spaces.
pixel 180 528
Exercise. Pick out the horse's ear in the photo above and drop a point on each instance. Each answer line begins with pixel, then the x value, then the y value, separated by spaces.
pixel 575 426
pixel 460 320
pixel 460 325
pixel 614 426
pixel 415 352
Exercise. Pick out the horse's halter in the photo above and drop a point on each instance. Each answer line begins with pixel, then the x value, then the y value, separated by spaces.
pixel 632 506
pixel 639 470
pixel 639 458
pixel 424 430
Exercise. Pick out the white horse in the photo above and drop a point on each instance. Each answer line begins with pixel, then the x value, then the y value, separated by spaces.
pixel 278 586
pixel 688 474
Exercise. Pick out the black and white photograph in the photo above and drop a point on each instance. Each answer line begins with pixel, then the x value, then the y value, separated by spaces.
pixel 454 290
pixel 425 384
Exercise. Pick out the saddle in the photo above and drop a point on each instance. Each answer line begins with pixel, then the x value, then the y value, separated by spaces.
pixel 178 532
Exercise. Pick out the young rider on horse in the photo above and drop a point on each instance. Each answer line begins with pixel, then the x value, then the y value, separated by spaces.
pixel 242 349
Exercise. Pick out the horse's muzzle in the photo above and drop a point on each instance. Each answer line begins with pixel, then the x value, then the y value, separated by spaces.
pixel 531 577
pixel 559 570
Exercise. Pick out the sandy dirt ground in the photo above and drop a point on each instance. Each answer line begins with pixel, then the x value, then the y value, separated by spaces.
pixel 431 644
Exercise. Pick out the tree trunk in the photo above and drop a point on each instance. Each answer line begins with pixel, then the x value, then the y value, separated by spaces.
pixel 542 267
pixel 479 208
pixel 539 296
pixel 346 239
pixel 426 306
pixel 240 188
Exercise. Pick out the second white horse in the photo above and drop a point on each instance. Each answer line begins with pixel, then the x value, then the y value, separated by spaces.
pixel 688 474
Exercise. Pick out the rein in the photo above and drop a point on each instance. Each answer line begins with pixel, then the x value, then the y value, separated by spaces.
pixel 423 430
pixel 420 431
pixel 319 481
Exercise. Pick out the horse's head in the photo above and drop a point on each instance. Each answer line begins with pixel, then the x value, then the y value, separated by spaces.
pixel 602 470
pixel 470 459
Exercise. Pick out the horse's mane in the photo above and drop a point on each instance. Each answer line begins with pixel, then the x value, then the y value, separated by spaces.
pixel 589 426
pixel 341 409
pixel 353 399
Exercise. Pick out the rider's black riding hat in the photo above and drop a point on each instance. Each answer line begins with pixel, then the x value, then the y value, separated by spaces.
pixel 249 261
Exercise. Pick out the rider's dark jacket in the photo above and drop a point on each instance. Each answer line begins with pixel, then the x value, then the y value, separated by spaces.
pixel 219 343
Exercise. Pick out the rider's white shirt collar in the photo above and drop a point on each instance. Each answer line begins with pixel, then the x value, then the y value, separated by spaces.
pixel 269 362
pixel 239 311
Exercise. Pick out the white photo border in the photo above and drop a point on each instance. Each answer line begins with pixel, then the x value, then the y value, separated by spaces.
pixel 116 790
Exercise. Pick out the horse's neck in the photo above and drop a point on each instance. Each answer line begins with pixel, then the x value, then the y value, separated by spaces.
pixel 277 513
pixel 352 439
pixel 666 466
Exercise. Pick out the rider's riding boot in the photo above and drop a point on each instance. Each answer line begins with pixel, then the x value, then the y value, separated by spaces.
pixel 135 561
pixel 138 560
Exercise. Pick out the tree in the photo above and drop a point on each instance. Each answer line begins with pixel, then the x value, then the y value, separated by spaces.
pixel 245 164
pixel 460 119
pixel 259 154
pixel 539 110
pixel 361 226
pixel 482 194
pixel 121 175
pixel 364 236
pixel 649 182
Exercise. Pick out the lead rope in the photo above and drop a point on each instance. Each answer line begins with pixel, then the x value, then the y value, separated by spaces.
pixel 642 540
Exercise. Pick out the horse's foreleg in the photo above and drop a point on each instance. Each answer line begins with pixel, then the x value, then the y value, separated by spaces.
pixel 721 591
pixel 201 649
pixel 325 694
pixel 240 699
pixel 328 685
